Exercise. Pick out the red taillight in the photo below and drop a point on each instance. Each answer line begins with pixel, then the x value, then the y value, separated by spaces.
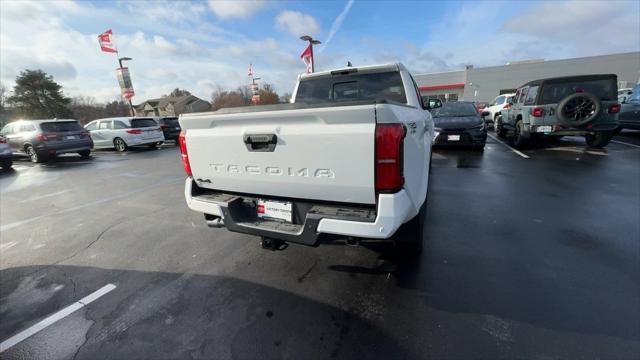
pixel 614 108
pixel 46 137
pixel 3 140
pixel 537 112
pixel 182 142
pixel 84 134
pixel 135 131
pixel 389 161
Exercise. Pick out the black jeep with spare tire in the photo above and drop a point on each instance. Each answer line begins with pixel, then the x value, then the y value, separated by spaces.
pixel 585 105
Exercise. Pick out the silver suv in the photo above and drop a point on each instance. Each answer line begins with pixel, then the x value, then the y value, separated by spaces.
pixel 45 139
pixel 585 105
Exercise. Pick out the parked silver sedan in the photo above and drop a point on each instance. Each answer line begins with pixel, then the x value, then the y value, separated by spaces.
pixel 122 132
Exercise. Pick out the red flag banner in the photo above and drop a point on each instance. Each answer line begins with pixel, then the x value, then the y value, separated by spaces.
pixel 307 58
pixel 106 42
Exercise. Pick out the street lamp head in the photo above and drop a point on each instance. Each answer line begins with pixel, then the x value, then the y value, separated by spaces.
pixel 125 58
pixel 306 38
pixel 315 42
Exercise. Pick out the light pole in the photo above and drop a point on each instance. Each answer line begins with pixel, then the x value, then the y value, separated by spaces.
pixel 312 42
pixel 120 60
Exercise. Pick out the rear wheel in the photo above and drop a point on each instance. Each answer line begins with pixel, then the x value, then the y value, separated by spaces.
pixel 85 153
pixel 410 237
pixel 33 154
pixel 519 141
pixel 153 146
pixel 120 145
pixel 6 164
pixel 599 139
pixel 499 128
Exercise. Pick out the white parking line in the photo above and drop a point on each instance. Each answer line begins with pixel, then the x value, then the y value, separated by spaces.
pixel 46 195
pixel 625 143
pixel 507 145
pixel 50 320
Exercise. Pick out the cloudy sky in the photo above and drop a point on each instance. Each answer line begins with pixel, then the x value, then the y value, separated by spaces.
pixel 203 45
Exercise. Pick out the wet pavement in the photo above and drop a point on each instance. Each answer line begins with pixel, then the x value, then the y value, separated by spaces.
pixel 534 256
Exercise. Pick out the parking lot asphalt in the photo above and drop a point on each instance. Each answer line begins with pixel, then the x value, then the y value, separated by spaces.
pixel 534 256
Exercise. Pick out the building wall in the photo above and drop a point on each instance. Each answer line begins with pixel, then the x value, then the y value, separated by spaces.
pixel 484 84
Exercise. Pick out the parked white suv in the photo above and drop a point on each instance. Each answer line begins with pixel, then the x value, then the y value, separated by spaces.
pixel 349 156
pixel 122 132
pixel 496 106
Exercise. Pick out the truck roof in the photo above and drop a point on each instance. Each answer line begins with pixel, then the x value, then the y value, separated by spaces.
pixel 571 78
pixel 368 68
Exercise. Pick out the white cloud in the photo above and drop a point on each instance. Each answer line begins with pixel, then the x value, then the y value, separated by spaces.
pixel 297 23
pixel 337 24
pixel 585 27
pixel 225 9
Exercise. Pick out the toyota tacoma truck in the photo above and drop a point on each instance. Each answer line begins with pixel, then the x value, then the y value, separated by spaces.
pixel 349 156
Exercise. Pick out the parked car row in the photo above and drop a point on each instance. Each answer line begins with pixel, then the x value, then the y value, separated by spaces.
pixel 42 140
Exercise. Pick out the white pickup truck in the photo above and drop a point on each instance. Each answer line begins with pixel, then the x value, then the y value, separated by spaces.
pixel 350 156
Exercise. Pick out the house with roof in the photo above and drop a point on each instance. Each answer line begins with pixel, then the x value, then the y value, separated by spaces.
pixel 172 106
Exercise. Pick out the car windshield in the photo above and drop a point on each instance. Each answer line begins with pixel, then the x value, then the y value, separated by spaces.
pixel 141 123
pixel 455 109
pixel 377 86
pixel 603 89
pixel 60 126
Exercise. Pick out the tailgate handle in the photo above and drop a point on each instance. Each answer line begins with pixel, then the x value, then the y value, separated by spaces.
pixel 261 142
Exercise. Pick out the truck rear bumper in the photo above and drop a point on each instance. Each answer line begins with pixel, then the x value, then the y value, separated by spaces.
pixel 391 212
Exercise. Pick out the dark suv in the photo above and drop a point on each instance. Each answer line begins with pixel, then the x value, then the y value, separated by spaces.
pixel 585 105
pixel 170 127
pixel 44 139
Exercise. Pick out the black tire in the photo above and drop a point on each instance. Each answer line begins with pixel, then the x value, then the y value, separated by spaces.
pixel 33 154
pixel 153 146
pixel 519 141
pixel 600 139
pixel 499 128
pixel 120 145
pixel 410 237
pixel 617 131
pixel 85 153
pixel 6 164
pixel 479 147
pixel 578 109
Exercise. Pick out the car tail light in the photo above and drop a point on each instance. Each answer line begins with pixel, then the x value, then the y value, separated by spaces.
pixel 135 131
pixel 537 112
pixel 182 142
pixel 46 137
pixel 84 134
pixel 3 140
pixel 389 159
pixel 614 108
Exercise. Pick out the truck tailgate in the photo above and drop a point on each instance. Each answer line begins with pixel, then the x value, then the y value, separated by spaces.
pixel 324 153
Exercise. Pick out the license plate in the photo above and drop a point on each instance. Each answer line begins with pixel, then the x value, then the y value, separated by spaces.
pixel 544 129
pixel 274 209
pixel 70 137
pixel 453 137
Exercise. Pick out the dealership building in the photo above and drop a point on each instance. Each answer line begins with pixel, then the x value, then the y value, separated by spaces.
pixel 485 83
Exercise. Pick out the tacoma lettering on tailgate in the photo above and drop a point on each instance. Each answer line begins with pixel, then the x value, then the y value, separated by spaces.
pixel 272 170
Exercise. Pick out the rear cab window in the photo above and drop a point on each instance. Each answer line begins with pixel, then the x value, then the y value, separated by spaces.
pixel 604 89
pixel 142 123
pixel 60 126
pixel 170 121
pixel 351 87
